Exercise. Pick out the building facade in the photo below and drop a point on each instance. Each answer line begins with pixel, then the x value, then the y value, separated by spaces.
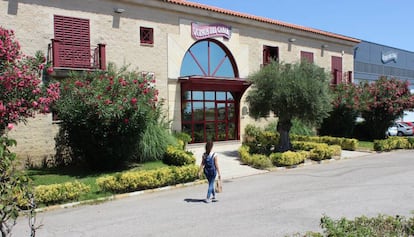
pixel 375 60
pixel 200 56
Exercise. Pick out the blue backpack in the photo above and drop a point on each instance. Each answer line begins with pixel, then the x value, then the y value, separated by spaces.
pixel 209 166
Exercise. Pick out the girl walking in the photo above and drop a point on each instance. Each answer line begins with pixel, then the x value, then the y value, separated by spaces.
pixel 209 165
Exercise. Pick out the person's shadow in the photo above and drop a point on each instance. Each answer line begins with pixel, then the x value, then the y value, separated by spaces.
pixel 194 200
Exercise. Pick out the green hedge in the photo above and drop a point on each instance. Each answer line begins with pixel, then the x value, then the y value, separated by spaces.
pixel 263 142
pixel 141 180
pixel 307 150
pixel 257 161
pixel 57 193
pixel 345 143
pixel 178 157
pixel 288 158
pixel 392 143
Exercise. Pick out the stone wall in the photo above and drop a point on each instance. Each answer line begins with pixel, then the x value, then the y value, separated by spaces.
pixel 35 139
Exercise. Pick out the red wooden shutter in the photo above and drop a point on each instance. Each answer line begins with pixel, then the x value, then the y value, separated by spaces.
pixel 336 69
pixel 306 56
pixel 266 55
pixel 73 37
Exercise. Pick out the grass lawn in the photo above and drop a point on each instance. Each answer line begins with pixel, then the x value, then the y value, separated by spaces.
pixel 57 176
pixel 365 146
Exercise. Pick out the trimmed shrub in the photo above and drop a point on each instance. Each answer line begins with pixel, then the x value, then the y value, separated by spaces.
pixel 392 143
pixel 320 152
pixel 304 146
pixel 141 180
pixel 257 161
pixel 346 143
pixel 177 157
pixel 336 150
pixel 288 158
pixel 244 154
pixel 56 193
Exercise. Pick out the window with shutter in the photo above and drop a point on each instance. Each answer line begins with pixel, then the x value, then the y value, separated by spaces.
pixel 146 35
pixel 73 37
pixel 270 53
pixel 336 70
pixel 306 56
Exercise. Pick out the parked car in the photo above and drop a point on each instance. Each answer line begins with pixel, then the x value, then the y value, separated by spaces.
pixel 400 129
pixel 411 124
pixel 404 129
pixel 392 131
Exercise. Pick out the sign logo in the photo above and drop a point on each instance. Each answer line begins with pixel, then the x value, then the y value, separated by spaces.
pixel 389 56
pixel 199 31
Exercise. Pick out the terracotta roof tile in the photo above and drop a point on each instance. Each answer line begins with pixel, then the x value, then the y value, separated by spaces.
pixel 261 19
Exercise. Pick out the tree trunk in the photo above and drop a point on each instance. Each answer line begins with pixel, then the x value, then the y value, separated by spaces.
pixel 283 127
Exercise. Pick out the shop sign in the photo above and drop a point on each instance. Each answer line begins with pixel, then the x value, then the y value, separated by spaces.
pixel 199 31
pixel 389 56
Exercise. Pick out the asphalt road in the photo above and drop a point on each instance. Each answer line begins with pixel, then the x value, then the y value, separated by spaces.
pixel 278 203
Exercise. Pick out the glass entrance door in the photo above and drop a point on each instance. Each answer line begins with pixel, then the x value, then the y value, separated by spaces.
pixel 209 115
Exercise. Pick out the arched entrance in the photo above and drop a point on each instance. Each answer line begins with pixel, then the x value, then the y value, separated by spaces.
pixel 210 92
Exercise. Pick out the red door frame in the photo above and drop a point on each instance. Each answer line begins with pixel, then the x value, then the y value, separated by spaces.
pixel 236 86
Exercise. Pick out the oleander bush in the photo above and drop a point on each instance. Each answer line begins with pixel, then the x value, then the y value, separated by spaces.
pixel 141 180
pixel 178 157
pixel 57 193
pixel 105 115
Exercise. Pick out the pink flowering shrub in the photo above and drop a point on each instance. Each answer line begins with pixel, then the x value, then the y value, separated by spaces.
pixel 383 102
pixel 21 95
pixel 379 103
pixel 21 90
pixel 105 113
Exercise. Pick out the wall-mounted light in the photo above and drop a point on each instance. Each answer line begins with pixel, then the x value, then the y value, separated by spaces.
pixel 323 47
pixel 292 40
pixel 119 10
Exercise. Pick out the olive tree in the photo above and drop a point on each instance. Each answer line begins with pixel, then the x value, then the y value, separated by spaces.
pixel 299 90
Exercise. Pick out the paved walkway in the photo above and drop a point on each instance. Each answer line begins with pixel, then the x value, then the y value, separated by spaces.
pixel 229 161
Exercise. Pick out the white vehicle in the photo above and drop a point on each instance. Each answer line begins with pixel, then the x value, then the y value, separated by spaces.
pixel 404 129
pixel 392 131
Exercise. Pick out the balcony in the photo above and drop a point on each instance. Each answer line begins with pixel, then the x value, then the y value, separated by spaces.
pixel 76 57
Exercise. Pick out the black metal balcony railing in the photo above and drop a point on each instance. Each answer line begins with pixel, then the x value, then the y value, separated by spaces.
pixel 77 57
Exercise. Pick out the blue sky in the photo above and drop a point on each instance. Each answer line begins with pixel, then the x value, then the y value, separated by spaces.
pixel 385 22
